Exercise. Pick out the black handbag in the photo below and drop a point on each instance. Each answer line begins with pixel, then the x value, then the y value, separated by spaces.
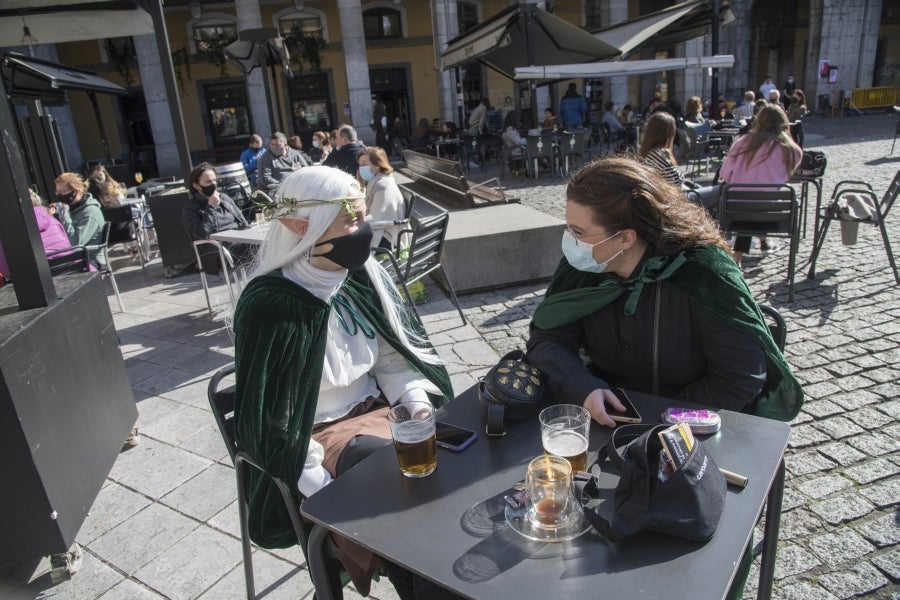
pixel 688 504
pixel 512 389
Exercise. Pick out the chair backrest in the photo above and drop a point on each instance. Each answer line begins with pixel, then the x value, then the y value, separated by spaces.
pixel 539 146
pixel 572 143
pixel 121 223
pixel 426 247
pixel 757 208
pixel 69 260
pixel 890 196
pixel 778 327
pixel 222 404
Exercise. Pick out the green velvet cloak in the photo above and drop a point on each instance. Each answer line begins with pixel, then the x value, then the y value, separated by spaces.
pixel 709 276
pixel 280 333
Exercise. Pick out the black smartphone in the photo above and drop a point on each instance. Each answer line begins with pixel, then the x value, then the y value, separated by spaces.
pixel 453 437
pixel 630 415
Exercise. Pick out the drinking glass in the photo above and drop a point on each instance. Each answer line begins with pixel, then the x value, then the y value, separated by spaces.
pixel 565 430
pixel 551 502
pixel 413 430
pixel 138 177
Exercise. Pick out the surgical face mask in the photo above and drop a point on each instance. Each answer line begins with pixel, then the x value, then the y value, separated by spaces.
pixel 581 255
pixel 277 150
pixel 315 143
pixel 208 190
pixel 366 173
pixel 350 251
pixel 66 198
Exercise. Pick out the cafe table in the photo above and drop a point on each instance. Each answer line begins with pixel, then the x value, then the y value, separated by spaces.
pixel 450 527
pixel 254 234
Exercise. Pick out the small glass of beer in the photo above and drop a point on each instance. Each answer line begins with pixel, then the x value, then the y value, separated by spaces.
pixel 413 430
pixel 550 502
pixel 565 430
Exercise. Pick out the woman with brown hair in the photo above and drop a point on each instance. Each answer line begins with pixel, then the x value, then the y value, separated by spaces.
pixel 104 188
pixel 321 147
pixel 648 291
pixel 798 107
pixel 420 136
pixel 766 155
pixel 383 198
pixel 656 147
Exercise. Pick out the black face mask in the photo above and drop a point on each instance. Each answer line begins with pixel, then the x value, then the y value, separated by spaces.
pixel 66 198
pixel 352 250
pixel 207 190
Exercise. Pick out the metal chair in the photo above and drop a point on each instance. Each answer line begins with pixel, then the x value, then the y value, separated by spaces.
pixel 540 148
pixel 126 228
pixel 896 128
pixel 777 327
pixel 423 258
pixel 762 209
pixel 69 260
pixel 106 270
pixel 324 572
pixel 571 147
pixel 830 213
pixel 226 263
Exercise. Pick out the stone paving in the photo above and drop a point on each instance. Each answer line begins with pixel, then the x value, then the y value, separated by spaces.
pixel 165 523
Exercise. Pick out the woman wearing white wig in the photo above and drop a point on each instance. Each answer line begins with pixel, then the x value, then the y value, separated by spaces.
pixel 323 347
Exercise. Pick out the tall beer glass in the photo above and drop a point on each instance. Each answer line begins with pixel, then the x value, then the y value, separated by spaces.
pixel 565 430
pixel 412 427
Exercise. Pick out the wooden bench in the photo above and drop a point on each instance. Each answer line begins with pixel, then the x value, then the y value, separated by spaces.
pixel 443 181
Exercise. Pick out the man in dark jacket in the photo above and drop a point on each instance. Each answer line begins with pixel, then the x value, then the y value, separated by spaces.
pixel 347 150
pixel 208 211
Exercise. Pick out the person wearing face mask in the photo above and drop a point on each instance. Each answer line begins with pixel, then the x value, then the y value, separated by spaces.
pixel 275 165
pixel 649 291
pixel 323 346
pixel 83 220
pixel 250 157
pixel 321 147
pixel 207 211
pixel 383 198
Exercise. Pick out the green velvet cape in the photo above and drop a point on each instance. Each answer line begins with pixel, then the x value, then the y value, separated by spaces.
pixel 709 276
pixel 280 333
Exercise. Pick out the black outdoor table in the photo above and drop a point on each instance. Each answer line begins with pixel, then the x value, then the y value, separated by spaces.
pixel 450 526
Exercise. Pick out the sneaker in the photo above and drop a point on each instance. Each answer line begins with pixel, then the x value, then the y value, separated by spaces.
pixel 134 438
pixel 768 246
pixel 473 164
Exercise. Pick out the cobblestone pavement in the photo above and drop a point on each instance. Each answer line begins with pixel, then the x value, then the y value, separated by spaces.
pixel 840 527
pixel 165 523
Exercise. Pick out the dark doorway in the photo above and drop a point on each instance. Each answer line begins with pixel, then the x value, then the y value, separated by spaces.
pixel 390 95
pixel 140 135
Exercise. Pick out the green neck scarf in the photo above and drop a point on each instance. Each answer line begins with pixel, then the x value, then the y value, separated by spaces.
pixel 574 304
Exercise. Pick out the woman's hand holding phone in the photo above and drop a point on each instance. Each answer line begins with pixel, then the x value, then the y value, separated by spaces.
pixel 596 403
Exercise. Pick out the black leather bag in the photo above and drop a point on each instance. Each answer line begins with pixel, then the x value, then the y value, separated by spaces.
pixel 813 164
pixel 512 389
pixel 688 504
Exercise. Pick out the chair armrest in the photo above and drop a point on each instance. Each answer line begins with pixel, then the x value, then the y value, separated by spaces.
pixel 839 187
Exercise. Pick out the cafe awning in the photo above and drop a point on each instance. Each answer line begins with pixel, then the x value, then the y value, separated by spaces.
pixel 502 42
pixel 55 21
pixel 625 67
pixel 678 23
pixel 35 79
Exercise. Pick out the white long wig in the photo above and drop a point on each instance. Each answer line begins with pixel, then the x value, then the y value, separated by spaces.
pixel 282 246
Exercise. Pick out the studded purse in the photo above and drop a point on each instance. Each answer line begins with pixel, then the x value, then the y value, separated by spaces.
pixel 511 389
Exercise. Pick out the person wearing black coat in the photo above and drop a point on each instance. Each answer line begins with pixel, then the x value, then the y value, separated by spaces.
pixel 347 150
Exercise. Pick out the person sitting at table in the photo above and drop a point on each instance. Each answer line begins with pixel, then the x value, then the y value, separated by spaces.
pixel 767 155
pixel 512 139
pixel 648 290
pixel 693 116
pixel 80 215
pixel 207 211
pixel 321 147
pixel 297 144
pixel 798 108
pixel 346 150
pixel 250 157
pixel 383 198
pixel 280 161
pixel 549 121
pixel 53 234
pixel 323 346
pixel 625 115
pixel 745 110
pixel 104 188
pixel 421 136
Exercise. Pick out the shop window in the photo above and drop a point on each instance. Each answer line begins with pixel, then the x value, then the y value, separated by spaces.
pixel 310 105
pixel 380 23
pixel 593 14
pixel 227 113
pixel 209 37
pixel 301 23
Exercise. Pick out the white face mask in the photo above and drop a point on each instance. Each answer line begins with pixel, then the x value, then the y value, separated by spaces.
pixel 581 255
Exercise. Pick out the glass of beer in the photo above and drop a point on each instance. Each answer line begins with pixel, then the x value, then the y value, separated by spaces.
pixel 550 502
pixel 565 430
pixel 413 430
